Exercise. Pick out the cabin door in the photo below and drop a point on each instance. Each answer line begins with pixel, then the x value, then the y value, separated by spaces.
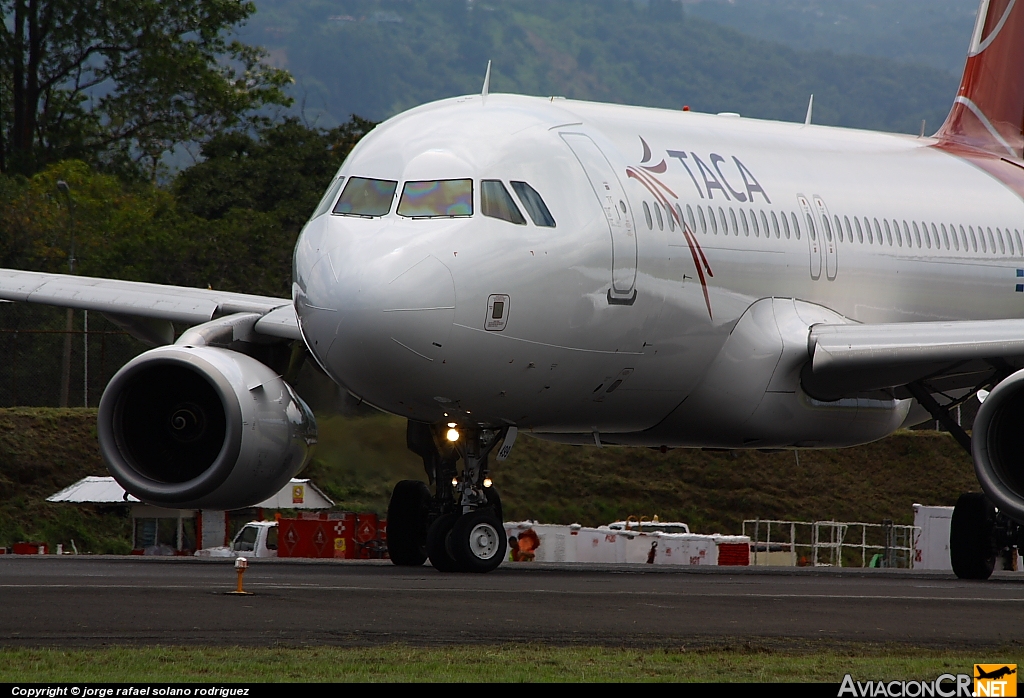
pixel 813 238
pixel 830 239
pixel 617 213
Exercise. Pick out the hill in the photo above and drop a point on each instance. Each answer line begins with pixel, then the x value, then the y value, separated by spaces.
pixel 360 458
pixel 925 32
pixel 376 58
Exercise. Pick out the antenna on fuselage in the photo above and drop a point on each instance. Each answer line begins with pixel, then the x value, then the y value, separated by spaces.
pixel 810 111
pixel 487 83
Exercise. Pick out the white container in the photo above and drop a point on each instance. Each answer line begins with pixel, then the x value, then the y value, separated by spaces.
pixel 931 549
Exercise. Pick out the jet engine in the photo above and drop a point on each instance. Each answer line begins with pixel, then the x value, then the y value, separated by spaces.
pixel 202 427
pixel 998 446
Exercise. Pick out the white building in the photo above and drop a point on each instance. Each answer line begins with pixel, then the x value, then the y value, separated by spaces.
pixel 156 530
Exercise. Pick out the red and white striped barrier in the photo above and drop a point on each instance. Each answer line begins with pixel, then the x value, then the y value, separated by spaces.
pixel 575 543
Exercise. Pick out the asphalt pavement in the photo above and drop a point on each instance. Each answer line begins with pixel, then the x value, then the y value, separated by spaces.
pixel 80 600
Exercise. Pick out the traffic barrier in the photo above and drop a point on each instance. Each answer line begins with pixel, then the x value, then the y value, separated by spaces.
pixel 344 535
pixel 30 549
pixel 318 536
pixel 576 543
pixel 370 544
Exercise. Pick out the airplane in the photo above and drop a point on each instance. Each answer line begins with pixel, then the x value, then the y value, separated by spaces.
pixel 995 674
pixel 600 274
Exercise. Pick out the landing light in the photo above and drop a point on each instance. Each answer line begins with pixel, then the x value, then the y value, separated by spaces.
pixel 455 482
pixel 451 425
pixel 487 482
pixel 452 435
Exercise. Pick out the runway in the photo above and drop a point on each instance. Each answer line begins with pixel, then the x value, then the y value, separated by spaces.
pixel 92 601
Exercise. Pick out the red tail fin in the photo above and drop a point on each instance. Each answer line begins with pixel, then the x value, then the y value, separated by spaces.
pixel 989 110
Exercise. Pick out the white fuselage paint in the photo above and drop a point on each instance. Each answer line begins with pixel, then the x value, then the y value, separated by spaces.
pixel 395 309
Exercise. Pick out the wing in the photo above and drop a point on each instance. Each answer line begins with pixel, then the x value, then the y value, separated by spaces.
pixel 940 357
pixel 147 309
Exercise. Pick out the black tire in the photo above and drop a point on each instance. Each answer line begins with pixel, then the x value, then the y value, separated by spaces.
pixel 438 549
pixel 478 541
pixel 407 523
pixel 972 549
pixel 494 501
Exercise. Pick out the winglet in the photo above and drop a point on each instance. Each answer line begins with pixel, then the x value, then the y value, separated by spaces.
pixel 810 111
pixel 487 82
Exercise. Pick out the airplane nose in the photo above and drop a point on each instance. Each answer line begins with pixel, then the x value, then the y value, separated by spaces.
pixel 418 307
pixel 393 330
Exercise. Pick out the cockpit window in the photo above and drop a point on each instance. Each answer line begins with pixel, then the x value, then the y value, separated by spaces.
pixel 438 198
pixel 534 205
pixel 325 203
pixel 495 202
pixel 366 197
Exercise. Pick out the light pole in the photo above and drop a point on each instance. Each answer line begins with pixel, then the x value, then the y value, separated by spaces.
pixel 65 377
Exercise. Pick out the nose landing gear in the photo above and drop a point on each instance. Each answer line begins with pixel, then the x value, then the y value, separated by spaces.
pixel 459 528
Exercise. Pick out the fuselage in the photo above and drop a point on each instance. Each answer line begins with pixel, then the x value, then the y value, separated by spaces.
pixel 610 322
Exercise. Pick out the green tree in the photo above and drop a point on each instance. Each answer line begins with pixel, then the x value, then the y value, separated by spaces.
pixel 121 82
pixel 281 169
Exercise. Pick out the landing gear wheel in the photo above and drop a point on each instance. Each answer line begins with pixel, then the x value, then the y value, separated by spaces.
pixel 407 523
pixel 438 543
pixel 477 541
pixel 972 549
pixel 494 502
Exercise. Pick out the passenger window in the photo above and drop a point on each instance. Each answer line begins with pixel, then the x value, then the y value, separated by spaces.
pixel 785 225
pixel 713 220
pixel 956 240
pixel 945 235
pixel 849 230
pixel 871 234
pixel 723 221
pixel 796 225
pixel 496 202
pixel 838 228
pixel 672 218
pixel 963 237
pixel 367 198
pixel 974 239
pixel 657 212
pixel 888 230
pixel 534 205
pixel 828 228
pixel 1002 245
pixel 647 215
pixel 735 225
pixel 325 203
pixel 753 224
pixel 775 225
pixel 764 225
pixel 743 218
pixel 860 231
pixel 703 223
pixel 437 198
pixel 811 230
pixel 991 241
pixel 878 232
pixel 1016 234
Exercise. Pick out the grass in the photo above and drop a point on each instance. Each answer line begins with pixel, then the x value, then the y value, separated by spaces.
pixel 359 458
pixel 746 663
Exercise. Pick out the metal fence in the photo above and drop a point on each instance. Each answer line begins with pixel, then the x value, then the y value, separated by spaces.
pixel 830 543
pixel 46 365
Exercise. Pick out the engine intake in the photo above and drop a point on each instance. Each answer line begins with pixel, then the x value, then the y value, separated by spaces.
pixel 998 446
pixel 202 427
